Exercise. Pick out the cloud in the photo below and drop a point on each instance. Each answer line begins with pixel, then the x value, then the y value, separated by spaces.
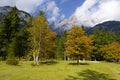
pixel 28 5
pixel 7 2
pixel 62 16
pixel 53 11
pixel 52 19
pixel 25 5
pixel 93 12
pixel 51 5
pixel 64 1
pixel 56 11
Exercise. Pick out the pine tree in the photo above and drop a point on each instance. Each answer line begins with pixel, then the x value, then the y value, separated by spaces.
pixel 10 29
pixel 14 37
pixel 102 38
pixel 60 48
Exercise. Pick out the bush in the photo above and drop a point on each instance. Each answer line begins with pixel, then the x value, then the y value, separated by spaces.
pixel 12 62
pixel 30 57
pixel 1 58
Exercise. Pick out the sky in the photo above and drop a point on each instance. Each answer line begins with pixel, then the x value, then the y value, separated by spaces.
pixel 86 12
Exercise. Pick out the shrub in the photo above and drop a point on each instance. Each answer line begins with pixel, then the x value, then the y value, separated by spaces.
pixel 12 62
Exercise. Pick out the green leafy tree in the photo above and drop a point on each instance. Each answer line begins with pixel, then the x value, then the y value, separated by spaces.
pixel 102 38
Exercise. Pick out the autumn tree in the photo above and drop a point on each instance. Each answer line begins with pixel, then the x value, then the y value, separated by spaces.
pixel 49 47
pixel 78 44
pixel 111 51
pixel 41 38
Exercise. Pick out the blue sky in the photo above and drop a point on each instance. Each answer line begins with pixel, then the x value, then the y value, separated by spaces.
pixel 78 12
pixel 65 8
pixel 68 7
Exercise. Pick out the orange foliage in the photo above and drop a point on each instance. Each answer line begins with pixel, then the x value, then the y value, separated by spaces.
pixel 78 43
pixel 111 51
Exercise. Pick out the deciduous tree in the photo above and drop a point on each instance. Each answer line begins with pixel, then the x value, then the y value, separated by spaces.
pixel 42 38
pixel 78 44
pixel 111 51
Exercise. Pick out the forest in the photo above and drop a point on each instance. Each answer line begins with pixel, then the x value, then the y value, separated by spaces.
pixel 36 42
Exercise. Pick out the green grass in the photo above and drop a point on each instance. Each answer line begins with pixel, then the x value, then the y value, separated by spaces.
pixel 60 70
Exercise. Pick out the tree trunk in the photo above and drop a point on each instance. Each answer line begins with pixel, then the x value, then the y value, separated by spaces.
pixel 68 58
pixel 34 57
pixel 64 57
pixel 77 60
pixel 37 60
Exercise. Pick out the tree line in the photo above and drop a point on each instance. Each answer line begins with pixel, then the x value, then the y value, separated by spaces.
pixel 37 41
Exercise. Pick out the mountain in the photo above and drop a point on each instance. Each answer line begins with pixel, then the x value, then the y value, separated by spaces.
pixel 64 24
pixel 23 16
pixel 111 26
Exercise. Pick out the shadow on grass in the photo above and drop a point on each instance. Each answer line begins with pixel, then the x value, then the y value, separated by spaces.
pixel 79 63
pixel 45 63
pixel 90 75
pixel 118 73
pixel 49 62
pixel 18 65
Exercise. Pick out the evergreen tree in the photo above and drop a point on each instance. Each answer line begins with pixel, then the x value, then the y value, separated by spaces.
pixel 9 29
pixel 102 38
pixel 13 36
pixel 60 49
pixel 22 45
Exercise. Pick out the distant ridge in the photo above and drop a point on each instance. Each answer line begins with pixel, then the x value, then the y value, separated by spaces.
pixel 23 16
pixel 111 26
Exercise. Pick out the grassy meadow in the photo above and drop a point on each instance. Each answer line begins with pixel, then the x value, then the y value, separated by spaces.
pixel 60 70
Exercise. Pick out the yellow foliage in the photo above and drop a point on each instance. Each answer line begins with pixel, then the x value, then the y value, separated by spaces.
pixel 78 43
pixel 41 36
pixel 111 51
